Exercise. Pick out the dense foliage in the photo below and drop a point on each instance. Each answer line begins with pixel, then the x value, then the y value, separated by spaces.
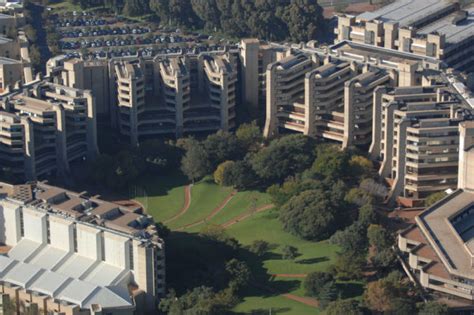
pixel 298 20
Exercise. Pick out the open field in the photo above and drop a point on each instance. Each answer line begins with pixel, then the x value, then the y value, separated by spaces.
pixel 278 281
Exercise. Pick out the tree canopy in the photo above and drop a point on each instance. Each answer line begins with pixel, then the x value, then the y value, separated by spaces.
pixel 298 20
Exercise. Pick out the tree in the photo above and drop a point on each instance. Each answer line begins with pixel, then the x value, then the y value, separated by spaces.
pixel 367 214
pixel 434 198
pixel 346 307
pixel 349 265
pixel 330 162
pixel 315 281
pixel 361 167
pixel 195 163
pixel 222 175
pixel 284 157
pixel 379 237
pixel 239 274
pixel 327 294
pixel 240 175
pixel 201 300
pixel 222 146
pixel 259 247
pixel 289 252
pixel 378 296
pixel 352 239
pixel 249 136
pixel 309 215
pixel 389 294
pixel 433 308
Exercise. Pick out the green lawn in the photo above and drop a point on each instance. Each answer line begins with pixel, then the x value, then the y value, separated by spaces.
pixel 164 195
pixel 261 302
pixel 205 197
pixel 241 203
pixel 166 198
pixel 314 256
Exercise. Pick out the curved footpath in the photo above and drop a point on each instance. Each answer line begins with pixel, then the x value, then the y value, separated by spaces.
pixel 212 214
pixel 187 204
pixel 246 215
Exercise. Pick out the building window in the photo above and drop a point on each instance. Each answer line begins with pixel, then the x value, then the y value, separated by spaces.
pixel 48 231
pixel 130 246
pixel 22 224
pixel 74 237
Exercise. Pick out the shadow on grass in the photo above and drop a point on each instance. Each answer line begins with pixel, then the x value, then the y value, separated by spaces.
pixel 166 183
pixel 193 260
pixel 350 290
pixel 278 310
pixel 310 261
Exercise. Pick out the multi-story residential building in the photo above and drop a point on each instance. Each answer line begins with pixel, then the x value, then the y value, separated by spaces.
pixel 90 75
pixel 331 99
pixel 70 253
pixel 255 57
pixel 285 93
pixel 46 127
pixel 175 95
pixel 432 28
pixel 11 72
pixel 438 250
pixel 416 138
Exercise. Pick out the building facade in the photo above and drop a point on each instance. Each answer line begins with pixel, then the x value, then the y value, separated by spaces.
pixel 438 250
pixel 416 139
pixel 73 254
pixel 44 128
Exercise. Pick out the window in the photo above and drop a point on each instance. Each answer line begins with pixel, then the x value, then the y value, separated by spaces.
pixel 130 246
pixel 74 236
pixel 48 231
pixel 22 224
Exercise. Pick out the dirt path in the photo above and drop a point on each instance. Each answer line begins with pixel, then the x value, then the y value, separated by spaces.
pixel 289 275
pixel 304 300
pixel 184 209
pixel 212 214
pixel 246 215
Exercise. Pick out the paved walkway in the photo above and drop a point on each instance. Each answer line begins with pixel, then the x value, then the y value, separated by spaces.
pixel 187 203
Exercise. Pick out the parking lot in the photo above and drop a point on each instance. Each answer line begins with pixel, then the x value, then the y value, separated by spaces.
pixel 83 33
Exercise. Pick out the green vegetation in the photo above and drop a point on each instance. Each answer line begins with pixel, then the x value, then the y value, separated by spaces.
pixel 205 197
pixel 163 196
pixel 298 20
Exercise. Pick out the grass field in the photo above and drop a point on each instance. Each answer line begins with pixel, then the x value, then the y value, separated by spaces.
pixel 166 198
pixel 164 195
pixel 205 197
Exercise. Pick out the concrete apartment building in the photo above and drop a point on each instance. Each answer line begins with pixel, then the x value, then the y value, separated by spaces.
pixel 432 28
pixel 255 56
pixel 73 254
pixel 92 75
pixel 416 139
pixel 168 95
pixel 438 250
pixel 285 93
pixel 329 98
pixel 174 95
pixel 44 128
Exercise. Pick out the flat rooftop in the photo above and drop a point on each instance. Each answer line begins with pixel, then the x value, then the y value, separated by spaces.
pixel 454 32
pixel 438 228
pixel 406 12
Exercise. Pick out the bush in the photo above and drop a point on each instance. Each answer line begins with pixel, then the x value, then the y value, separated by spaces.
pixel 289 252
pixel 259 247
pixel 315 281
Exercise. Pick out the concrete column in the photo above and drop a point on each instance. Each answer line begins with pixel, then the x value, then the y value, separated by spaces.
pixel 92 147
